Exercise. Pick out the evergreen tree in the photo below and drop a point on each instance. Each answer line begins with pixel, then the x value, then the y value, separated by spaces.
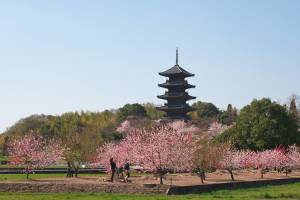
pixel 293 107
pixel 204 111
pixel 263 125
pixel 229 116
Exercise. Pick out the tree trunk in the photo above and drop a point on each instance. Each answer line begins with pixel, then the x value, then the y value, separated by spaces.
pixel 69 172
pixel 203 174
pixel 27 172
pixel 202 178
pixel 231 174
pixel 161 179
pixel 76 172
pixel 262 174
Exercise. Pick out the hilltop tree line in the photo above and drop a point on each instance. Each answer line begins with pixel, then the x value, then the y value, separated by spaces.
pixel 102 125
pixel 263 124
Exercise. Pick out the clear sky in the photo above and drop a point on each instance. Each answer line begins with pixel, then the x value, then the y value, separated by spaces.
pixel 58 56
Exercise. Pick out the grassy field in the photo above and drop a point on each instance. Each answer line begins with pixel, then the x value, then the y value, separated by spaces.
pixel 288 191
pixel 21 177
pixel 31 176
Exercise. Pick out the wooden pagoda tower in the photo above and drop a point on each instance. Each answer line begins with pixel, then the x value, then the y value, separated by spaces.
pixel 176 95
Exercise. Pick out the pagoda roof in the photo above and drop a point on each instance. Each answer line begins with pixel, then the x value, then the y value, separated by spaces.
pixel 169 84
pixel 176 96
pixel 176 108
pixel 176 71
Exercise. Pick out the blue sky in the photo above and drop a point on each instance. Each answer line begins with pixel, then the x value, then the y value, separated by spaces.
pixel 58 56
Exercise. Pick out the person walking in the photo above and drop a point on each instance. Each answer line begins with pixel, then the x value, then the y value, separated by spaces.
pixel 127 171
pixel 113 168
pixel 120 173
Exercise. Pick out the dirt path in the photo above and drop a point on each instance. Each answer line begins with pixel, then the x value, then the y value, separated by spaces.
pixel 144 184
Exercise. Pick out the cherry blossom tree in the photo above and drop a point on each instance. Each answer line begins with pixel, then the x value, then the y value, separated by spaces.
pixel 278 158
pixel 293 155
pixel 33 151
pixel 183 127
pixel 270 159
pixel 162 149
pixel 236 160
pixel 159 149
pixel 215 129
pixel 124 127
pixel 119 152
pixel 292 160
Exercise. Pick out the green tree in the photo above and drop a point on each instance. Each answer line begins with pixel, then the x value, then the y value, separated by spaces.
pixel 204 111
pixel 81 147
pixel 97 125
pixel 293 107
pixel 229 116
pixel 152 112
pixel 206 157
pixel 23 126
pixel 131 110
pixel 263 125
pixel 4 141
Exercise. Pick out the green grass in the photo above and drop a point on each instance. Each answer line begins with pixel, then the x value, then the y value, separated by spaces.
pixel 283 192
pixel 21 177
pixel 2 158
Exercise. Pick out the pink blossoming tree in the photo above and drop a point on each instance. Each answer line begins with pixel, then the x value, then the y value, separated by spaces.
pixel 236 160
pixel 34 152
pixel 124 127
pixel 183 127
pixel 215 129
pixel 293 155
pixel 159 149
pixel 270 159
pixel 292 159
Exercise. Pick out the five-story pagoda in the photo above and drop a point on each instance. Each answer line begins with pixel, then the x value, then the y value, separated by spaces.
pixel 176 95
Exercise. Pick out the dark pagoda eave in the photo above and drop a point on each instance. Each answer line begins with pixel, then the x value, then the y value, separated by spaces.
pixel 167 97
pixel 172 85
pixel 175 108
pixel 176 71
pixel 174 75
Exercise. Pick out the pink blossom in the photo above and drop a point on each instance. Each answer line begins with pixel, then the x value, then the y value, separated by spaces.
pixel 236 160
pixel 216 128
pixel 184 127
pixel 158 149
pixel 34 152
pixel 270 159
pixel 124 127
pixel 293 155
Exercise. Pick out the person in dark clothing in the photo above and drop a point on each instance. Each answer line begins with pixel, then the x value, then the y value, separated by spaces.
pixel 70 172
pixel 113 168
pixel 120 173
pixel 127 171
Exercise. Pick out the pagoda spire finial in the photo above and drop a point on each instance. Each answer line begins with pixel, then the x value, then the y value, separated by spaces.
pixel 176 55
